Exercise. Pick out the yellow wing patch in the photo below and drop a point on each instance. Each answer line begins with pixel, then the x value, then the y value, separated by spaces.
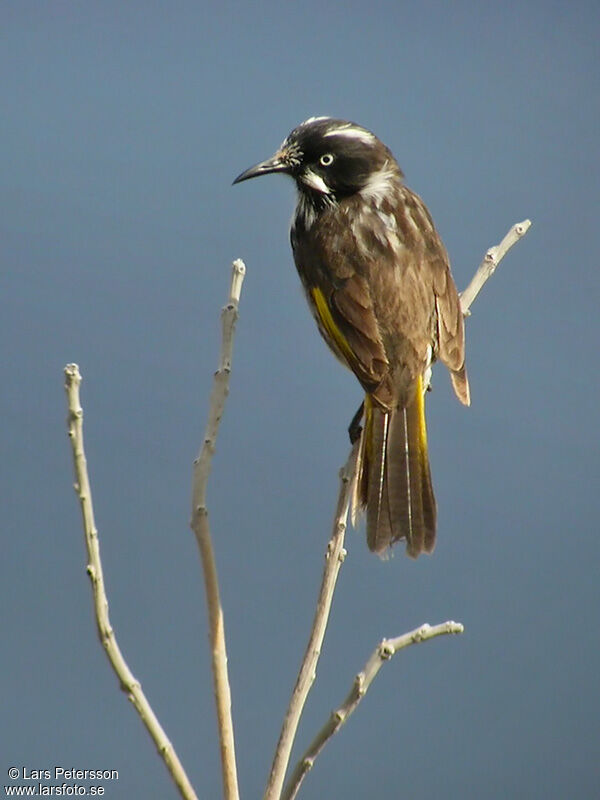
pixel 420 401
pixel 329 326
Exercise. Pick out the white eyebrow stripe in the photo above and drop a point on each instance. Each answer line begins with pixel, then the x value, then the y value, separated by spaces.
pixel 353 133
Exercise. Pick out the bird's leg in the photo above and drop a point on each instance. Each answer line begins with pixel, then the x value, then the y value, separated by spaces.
pixel 355 428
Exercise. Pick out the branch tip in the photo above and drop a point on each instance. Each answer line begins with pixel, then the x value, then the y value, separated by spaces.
pixel 491 259
pixel 201 529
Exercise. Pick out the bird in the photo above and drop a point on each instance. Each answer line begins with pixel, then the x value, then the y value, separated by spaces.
pixel 377 279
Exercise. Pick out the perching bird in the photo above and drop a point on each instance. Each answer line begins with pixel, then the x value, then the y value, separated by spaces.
pixel 378 281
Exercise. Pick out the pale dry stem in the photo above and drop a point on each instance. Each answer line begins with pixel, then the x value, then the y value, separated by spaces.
pixel 200 526
pixel 129 684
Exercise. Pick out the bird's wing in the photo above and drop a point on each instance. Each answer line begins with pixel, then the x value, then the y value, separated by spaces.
pixel 450 328
pixel 347 317
pixel 434 267
pixel 450 325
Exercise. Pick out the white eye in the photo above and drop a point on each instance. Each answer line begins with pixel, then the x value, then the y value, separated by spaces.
pixel 326 160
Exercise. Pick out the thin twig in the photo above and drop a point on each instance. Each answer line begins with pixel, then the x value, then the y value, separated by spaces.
pixel 334 558
pixel 490 261
pixel 200 526
pixel 382 653
pixel 129 684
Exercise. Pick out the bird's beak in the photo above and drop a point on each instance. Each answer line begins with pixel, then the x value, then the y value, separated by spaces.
pixel 275 164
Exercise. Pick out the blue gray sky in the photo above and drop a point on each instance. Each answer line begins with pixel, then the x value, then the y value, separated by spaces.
pixel 122 128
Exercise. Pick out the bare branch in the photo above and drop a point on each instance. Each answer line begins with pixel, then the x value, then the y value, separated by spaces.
pixel 490 261
pixel 334 558
pixel 129 684
pixel 200 526
pixel 382 653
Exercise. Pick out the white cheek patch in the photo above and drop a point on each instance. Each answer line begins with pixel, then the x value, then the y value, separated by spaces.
pixel 314 181
pixel 378 185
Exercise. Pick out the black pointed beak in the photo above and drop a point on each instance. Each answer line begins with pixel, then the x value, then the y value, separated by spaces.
pixel 275 164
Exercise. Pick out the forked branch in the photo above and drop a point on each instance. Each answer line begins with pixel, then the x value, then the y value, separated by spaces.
pixel 334 558
pixel 384 651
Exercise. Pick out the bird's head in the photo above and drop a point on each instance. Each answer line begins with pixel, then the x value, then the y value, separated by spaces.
pixel 330 157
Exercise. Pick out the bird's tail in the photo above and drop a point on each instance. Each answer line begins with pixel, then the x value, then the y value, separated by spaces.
pixel 393 477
